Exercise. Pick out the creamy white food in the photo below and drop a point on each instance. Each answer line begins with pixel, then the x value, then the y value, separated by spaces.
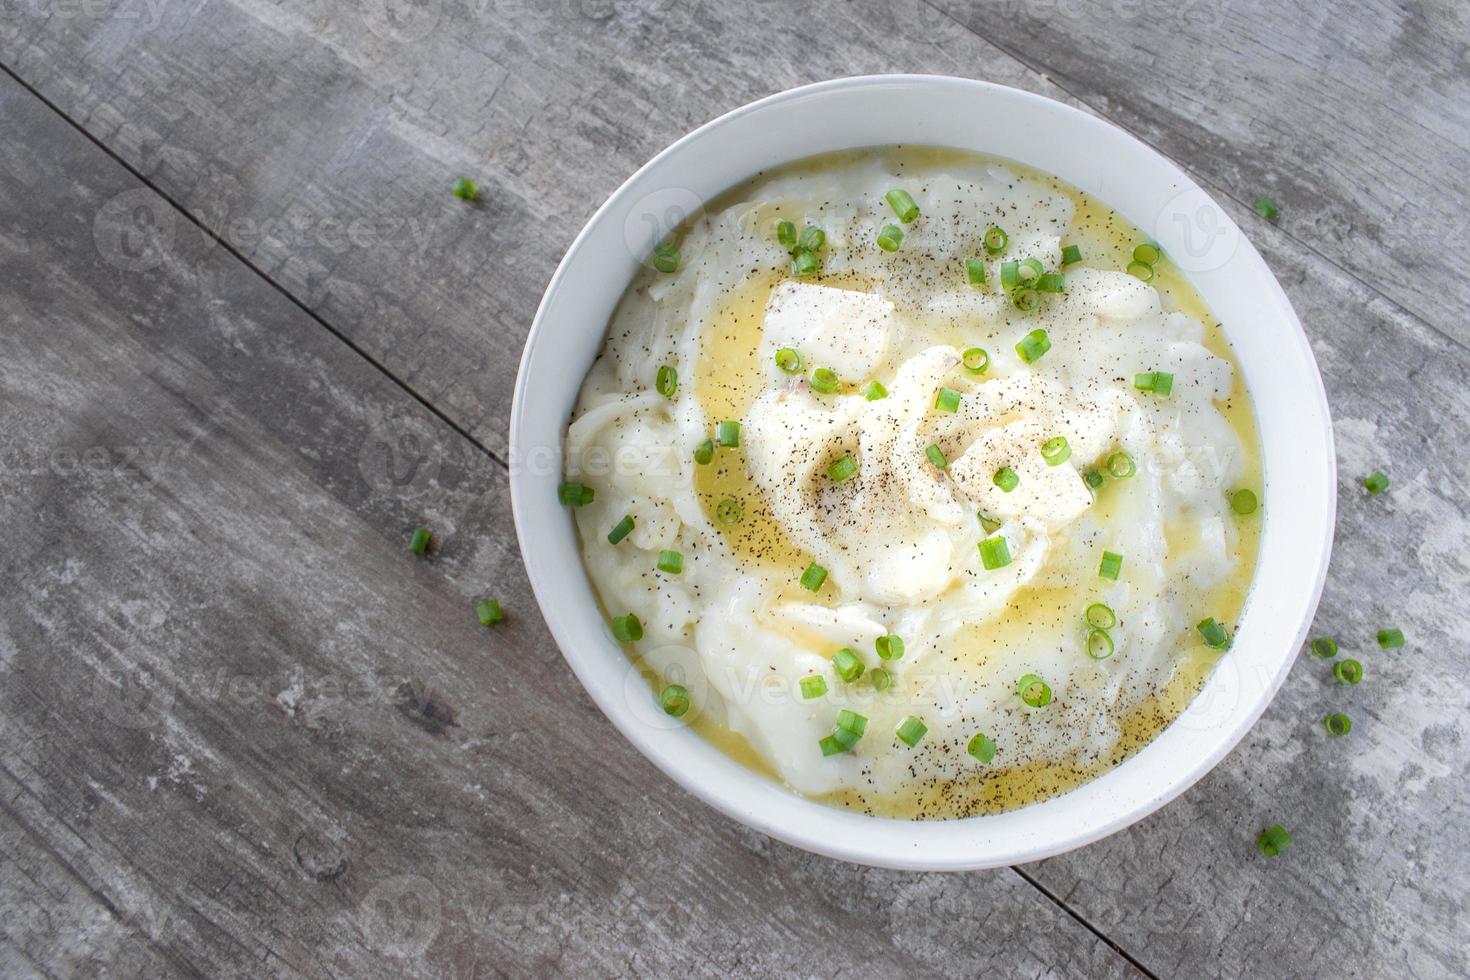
pixel 899 539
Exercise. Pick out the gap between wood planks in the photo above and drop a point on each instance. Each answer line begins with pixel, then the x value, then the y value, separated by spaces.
pixel 1200 179
pixel 239 257
pixel 437 413
pixel 1060 903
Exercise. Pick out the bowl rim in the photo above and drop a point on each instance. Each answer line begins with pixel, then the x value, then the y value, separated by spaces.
pixel 657 746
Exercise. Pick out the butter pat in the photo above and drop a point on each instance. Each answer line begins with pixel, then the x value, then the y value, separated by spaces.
pixel 1055 495
pixel 845 331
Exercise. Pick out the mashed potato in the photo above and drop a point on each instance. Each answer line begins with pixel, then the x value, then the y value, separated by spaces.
pixel 830 463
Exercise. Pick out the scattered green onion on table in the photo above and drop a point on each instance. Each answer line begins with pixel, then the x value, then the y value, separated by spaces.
pixel 489 612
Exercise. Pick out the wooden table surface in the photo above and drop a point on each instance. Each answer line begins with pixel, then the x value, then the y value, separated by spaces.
pixel 250 341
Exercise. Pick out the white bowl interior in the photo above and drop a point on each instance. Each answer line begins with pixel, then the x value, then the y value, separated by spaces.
pixel 1299 498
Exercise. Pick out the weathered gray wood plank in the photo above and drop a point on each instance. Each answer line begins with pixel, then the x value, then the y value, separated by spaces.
pixel 321 139
pixel 244 732
pixel 1352 115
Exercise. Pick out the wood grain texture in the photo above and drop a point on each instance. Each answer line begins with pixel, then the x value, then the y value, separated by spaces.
pixel 243 732
pixel 321 138
pixel 1353 115
pixel 280 126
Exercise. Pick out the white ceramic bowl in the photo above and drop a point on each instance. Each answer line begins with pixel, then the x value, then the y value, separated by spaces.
pixel 1296 432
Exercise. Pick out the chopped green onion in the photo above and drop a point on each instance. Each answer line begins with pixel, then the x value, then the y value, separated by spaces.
pixel 995 552
pixel 1391 639
pixel 1071 254
pixel 912 731
pixel 995 240
pixel 1006 479
pixel 1112 564
pixel 727 434
pixel 1010 274
pixel 788 360
pixel 671 562
pixel 1051 282
pixel 419 543
pixel 1160 383
pixel 990 524
pixel 875 391
pixel 976 360
pixel 1121 466
pixel 621 530
pixel 842 469
pixel 666 257
pixel 1100 616
pixel 675 700
pixel 1032 346
pixel 813 577
pixel 1025 299
pixel 1273 840
pixel 667 381
pixel 830 746
pixel 890 238
pixel 1029 271
pixel 727 511
pixel 1034 691
pixel 975 271
pixel 1099 644
pixel 1337 724
pixel 627 629
pixel 786 235
pixel 490 612
pixel 849 737
pixel 1347 671
pixel 1148 253
pixel 1056 451
pixel 812 239
pixel 825 380
pixel 882 679
pixel 947 400
pixel 847 664
pixel 575 495
pixel 903 205
pixel 1141 270
pixel 813 686
pixel 805 264
pixel 466 189
pixel 1094 480
pixel 1215 635
pixel 1244 502
pixel 1324 647
pixel 936 456
pixel 889 647
pixel 1266 207
pixel 1377 483
pixel 849 728
pixel 982 748
pixel 704 453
